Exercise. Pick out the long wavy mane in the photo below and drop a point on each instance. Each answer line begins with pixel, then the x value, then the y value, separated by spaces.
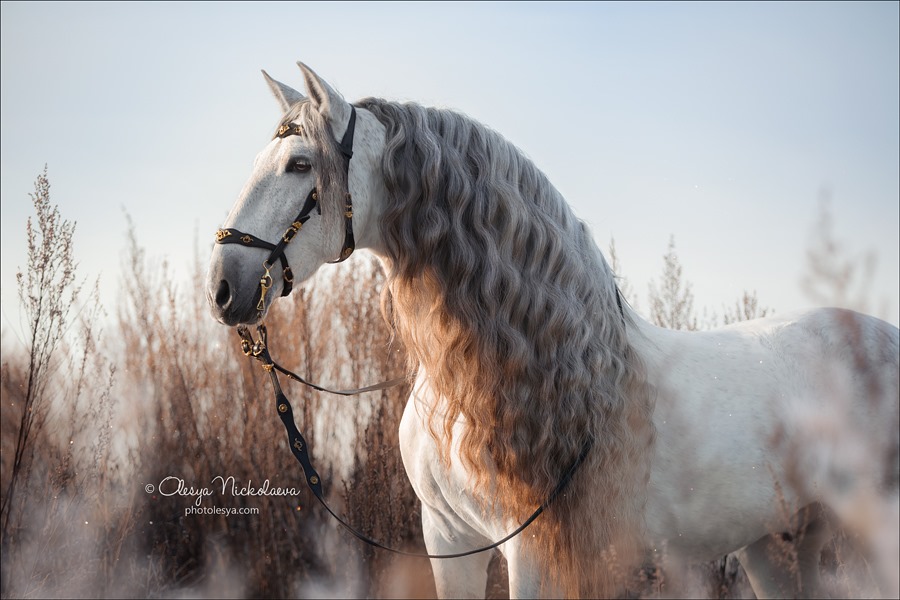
pixel 501 295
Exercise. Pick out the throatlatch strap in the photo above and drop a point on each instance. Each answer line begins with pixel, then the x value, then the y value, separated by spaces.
pixel 347 140
pixel 299 448
pixel 346 147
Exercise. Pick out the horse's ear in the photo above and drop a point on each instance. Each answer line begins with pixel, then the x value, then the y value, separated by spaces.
pixel 287 96
pixel 326 100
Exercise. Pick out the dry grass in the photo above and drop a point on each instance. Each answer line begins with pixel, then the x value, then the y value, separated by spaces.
pixel 182 401
pixel 165 392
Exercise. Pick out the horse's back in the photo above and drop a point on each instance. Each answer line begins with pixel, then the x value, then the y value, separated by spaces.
pixel 822 345
pixel 849 334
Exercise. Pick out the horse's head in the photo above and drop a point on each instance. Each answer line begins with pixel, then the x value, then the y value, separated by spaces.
pixel 306 202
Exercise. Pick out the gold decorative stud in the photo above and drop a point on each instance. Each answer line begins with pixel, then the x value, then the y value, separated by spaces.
pixel 314 480
pixel 222 234
pixel 282 408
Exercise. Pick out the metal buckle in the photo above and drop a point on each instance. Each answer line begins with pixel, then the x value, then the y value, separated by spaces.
pixel 265 283
pixel 291 231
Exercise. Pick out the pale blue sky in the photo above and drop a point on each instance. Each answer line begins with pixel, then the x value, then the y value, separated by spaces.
pixel 720 124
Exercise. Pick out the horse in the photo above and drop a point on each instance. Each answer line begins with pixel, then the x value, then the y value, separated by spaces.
pixel 524 360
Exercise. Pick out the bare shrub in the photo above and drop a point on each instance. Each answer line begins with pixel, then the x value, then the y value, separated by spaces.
pixel 746 308
pixel 47 291
pixel 672 305
pixel 834 276
pixel 57 419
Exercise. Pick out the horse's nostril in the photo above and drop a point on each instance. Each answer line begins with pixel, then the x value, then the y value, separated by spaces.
pixel 223 295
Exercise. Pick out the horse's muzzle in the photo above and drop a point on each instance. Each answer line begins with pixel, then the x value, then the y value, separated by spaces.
pixel 233 297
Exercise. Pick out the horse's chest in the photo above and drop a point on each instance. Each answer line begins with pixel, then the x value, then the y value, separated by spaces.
pixel 447 490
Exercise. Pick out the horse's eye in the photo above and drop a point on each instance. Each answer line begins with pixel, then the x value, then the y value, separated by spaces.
pixel 298 165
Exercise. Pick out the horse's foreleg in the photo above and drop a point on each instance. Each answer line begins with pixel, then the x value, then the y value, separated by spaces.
pixel 525 580
pixel 464 577
pixel 769 574
pixel 787 565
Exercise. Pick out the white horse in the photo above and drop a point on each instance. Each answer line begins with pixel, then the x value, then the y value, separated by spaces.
pixel 698 444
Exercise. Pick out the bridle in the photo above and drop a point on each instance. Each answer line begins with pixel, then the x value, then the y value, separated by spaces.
pixel 258 349
pixel 235 236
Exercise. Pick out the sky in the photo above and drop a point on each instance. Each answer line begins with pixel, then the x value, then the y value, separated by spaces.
pixel 724 125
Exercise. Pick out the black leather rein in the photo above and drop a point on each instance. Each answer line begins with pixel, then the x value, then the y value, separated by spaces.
pixel 258 349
